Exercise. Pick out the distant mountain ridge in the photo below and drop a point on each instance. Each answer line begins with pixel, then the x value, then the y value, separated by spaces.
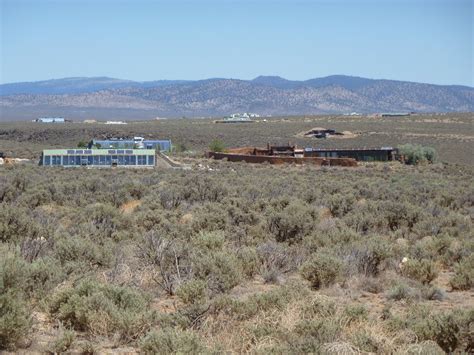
pixel 266 95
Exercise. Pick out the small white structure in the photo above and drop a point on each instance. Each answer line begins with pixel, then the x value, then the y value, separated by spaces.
pixel 115 122
pixel 50 120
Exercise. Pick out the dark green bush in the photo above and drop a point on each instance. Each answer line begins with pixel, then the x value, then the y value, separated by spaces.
pixel 103 309
pixel 217 146
pixel 463 278
pixel 321 270
pixel 192 292
pixel 415 154
pixel 420 270
pixel 15 319
pixel 171 341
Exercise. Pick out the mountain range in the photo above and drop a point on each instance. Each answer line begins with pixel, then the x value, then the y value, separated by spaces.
pixel 102 97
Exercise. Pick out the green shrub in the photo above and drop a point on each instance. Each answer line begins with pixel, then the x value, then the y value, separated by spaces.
pixel 355 312
pixel 63 342
pixel 293 222
pixel 221 270
pixel 400 291
pixel 170 341
pixel 442 328
pixel 463 278
pixel 217 146
pixel 420 270
pixel 102 309
pixel 310 335
pixel 321 270
pixel 415 154
pixel 15 320
pixel 192 292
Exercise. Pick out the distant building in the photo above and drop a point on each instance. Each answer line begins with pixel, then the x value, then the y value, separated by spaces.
pixel 115 122
pixel 99 158
pixel 90 121
pixel 395 114
pixel 50 120
pixel 359 154
pixel 163 145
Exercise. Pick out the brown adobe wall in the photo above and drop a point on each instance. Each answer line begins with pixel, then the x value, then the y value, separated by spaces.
pixel 259 159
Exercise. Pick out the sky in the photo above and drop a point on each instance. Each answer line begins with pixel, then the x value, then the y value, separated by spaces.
pixel 428 41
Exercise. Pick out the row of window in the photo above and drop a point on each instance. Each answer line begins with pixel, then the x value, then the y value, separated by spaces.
pixel 104 160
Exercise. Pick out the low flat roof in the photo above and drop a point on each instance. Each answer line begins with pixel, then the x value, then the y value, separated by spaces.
pixel 75 151
pixel 348 149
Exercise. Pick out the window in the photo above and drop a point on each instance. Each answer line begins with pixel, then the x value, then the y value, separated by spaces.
pixel 90 160
pixel 95 159
pixel 133 160
pixel 126 159
pixel 120 151
pixel 47 160
pixel 108 160
pixel 121 160
pixel 56 160
pixel 78 160
pixel 151 160
pixel 141 159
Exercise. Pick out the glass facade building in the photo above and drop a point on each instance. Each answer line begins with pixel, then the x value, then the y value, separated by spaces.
pixel 160 145
pixel 100 158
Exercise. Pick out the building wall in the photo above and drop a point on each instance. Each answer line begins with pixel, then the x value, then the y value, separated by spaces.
pixel 282 159
pixel 359 155
pixel 161 145
pixel 99 158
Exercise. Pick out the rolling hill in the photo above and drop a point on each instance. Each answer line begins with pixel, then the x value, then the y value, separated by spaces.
pixel 267 95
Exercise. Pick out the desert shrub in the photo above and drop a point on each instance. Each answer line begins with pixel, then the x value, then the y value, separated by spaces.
pixel 170 341
pixel 217 146
pixel 202 188
pixel 366 342
pixel 77 254
pixel 249 261
pixel 15 319
pixel 433 294
pixel 171 196
pixel 420 270
pixel 170 257
pixel 441 328
pixel 209 241
pixel 427 347
pixel 415 154
pixel 320 307
pixel 401 291
pixel 43 275
pixel 321 270
pixel 256 304
pixel 102 309
pixel 15 224
pixel 221 269
pixel 293 222
pixel 367 257
pixel 463 278
pixel 63 342
pixel 356 312
pixel 340 204
pixel 310 335
pixel 13 269
pixel 192 292
pixel 274 261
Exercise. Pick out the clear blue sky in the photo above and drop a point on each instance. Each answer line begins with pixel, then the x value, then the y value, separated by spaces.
pixel 417 40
